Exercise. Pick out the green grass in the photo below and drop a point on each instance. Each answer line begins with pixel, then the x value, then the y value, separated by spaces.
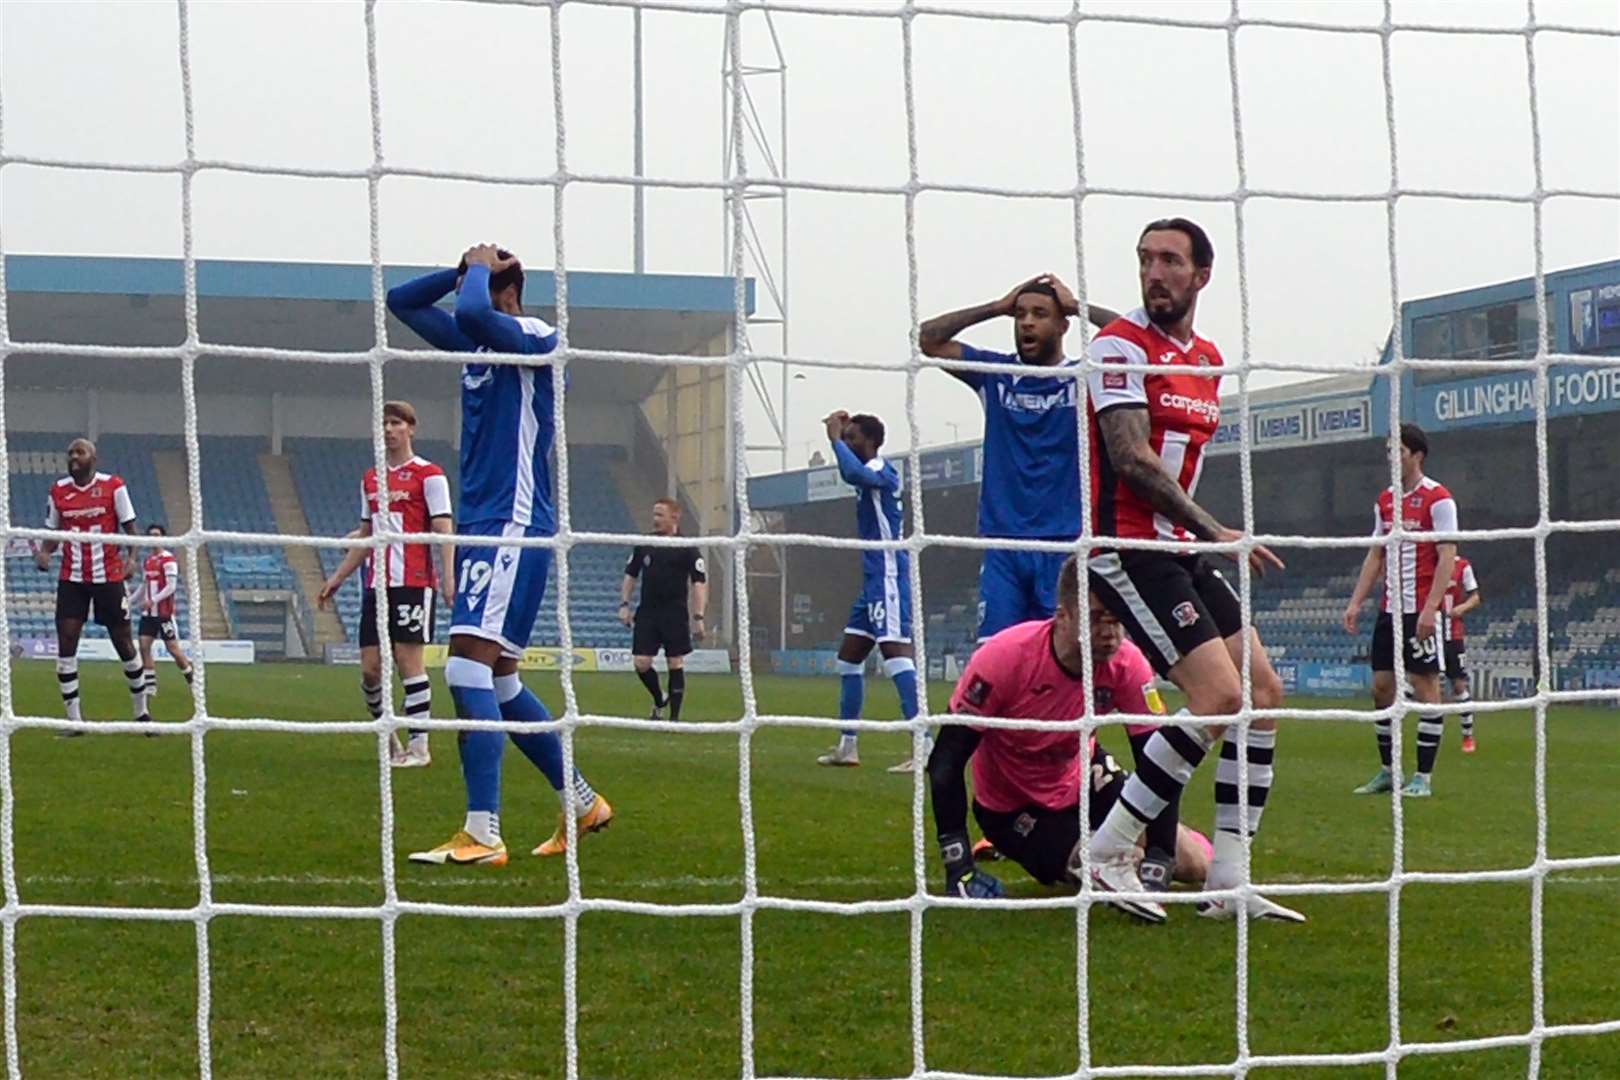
pixel 294 819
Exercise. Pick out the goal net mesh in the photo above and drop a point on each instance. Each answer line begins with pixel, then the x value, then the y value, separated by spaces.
pixel 1234 22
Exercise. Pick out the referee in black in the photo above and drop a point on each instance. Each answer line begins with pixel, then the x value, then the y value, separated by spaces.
pixel 662 618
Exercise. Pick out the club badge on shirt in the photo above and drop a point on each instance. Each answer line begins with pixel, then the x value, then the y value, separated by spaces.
pixel 977 693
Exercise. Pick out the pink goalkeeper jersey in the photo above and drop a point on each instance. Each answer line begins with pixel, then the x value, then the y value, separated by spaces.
pixel 1015 675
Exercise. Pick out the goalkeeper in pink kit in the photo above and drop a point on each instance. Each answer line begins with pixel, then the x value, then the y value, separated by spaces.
pixel 1026 781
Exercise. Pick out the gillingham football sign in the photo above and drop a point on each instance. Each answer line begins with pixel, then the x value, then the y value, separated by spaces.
pixel 1504 399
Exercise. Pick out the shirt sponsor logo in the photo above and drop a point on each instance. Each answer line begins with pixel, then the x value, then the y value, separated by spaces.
pixel 1203 407
pixel 1023 401
pixel 1113 380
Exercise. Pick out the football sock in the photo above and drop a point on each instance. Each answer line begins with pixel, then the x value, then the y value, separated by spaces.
pixel 649 679
pixel 677 691
pixel 484 825
pixel 851 693
pixel 135 676
pixel 67 680
pixel 1466 719
pixel 418 700
pixel 903 670
pixel 1381 728
pixel 373 696
pixel 1161 831
pixel 543 748
pixel 472 687
pixel 1166 765
pixel 1430 730
pixel 150 677
pixel 1262 749
pixel 187 672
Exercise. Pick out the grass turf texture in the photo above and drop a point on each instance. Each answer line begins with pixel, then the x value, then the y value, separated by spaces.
pixel 294 819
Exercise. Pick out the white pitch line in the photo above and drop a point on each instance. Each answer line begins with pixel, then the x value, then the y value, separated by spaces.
pixel 432 880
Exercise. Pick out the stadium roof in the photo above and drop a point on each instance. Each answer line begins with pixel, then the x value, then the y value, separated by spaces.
pixel 110 300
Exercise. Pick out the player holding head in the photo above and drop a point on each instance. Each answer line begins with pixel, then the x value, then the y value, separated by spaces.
pixel 90 502
pixel 507 429
pixel 1462 597
pixel 1026 782
pixel 1030 488
pixel 1419 579
pixel 881 615
pixel 663 619
pixel 418 502
pixel 1149 428
pixel 161 572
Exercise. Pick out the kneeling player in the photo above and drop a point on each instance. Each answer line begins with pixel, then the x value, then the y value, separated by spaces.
pixel 1026 781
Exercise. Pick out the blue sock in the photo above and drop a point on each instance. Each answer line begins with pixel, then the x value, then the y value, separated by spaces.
pixel 472 687
pixel 851 692
pixel 544 748
pixel 904 673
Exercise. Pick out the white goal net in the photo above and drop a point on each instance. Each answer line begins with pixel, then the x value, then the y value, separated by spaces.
pixel 1234 22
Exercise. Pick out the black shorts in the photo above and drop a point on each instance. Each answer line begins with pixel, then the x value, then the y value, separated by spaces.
pixel 410 616
pixel 75 598
pixel 1418 657
pixel 1169 604
pixel 1042 840
pixel 154 626
pixel 1456 650
pixel 670 630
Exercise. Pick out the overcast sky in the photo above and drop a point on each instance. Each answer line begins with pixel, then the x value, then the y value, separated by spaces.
pixel 467 87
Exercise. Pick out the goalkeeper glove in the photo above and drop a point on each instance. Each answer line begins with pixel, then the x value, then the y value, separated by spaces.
pixel 962 878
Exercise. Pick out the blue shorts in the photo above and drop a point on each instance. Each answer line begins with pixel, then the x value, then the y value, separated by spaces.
pixel 499 589
pixel 1015 587
pixel 883 610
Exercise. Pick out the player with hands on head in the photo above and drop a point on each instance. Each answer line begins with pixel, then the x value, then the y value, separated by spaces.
pixel 1030 487
pixel 507 429
pixel 881 614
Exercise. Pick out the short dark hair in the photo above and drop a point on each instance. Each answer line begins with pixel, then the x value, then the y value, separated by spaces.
pixel 1203 252
pixel 870 426
pixel 156 528
pixel 1043 288
pixel 1413 439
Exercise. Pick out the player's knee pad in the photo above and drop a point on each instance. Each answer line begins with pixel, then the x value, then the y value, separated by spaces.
pixel 847 668
pixel 894 665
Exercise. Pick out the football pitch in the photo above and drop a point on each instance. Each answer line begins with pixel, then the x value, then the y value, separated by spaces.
pixel 294 819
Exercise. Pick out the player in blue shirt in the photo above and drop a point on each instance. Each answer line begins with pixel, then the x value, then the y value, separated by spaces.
pixel 1029 487
pixel 506 436
pixel 881 615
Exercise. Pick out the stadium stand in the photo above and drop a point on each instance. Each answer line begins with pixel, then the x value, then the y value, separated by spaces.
pixel 327 473
pixel 36 462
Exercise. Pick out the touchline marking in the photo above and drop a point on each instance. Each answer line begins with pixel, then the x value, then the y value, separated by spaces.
pixel 435 880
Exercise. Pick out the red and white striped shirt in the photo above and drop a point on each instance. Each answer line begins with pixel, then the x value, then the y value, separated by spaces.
pixel 1184 410
pixel 162 572
pixel 1463 584
pixel 1428 507
pixel 102 506
pixel 418 492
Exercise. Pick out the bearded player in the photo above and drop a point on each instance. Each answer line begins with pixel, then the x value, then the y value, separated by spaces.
pixel 507 425
pixel 1030 487
pixel 1026 781
pixel 1149 428
pixel 96 504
